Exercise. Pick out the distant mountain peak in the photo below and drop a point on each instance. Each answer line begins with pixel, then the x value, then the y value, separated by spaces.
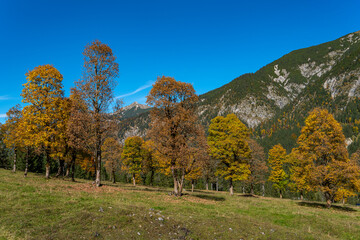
pixel 136 105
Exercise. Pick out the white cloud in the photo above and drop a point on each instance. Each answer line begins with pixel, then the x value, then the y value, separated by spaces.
pixel 149 84
pixel 3 116
pixel 5 97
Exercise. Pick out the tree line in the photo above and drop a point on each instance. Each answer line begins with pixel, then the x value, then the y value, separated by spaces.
pixel 81 130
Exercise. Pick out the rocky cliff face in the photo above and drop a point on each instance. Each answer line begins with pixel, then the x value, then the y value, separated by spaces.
pixel 334 64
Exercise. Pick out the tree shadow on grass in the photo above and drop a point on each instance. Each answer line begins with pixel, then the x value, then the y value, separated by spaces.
pixel 248 195
pixel 209 197
pixel 323 205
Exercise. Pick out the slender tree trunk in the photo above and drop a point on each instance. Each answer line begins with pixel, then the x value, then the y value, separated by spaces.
pixel 61 168
pixel 301 195
pixel 243 190
pixel 26 161
pixel 151 177
pixel 73 158
pixel 252 189
pixel 181 185
pixel 98 167
pixel 14 166
pixel 134 180
pixel 113 175
pixel 47 166
pixel 192 185
pixel 328 199
pixel 217 184
pixel 280 194
pixel 67 170
pixel 207 185
pixel 343 201
pixel 263 189
pixel 231 187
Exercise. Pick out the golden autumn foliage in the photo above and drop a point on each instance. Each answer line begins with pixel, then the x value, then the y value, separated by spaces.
pixel 43 94
pixel 111 151
pixel 180 140
pixel 276 160
pixel 150 162
pixel 228 142
pixel 321 160
pixel 132 156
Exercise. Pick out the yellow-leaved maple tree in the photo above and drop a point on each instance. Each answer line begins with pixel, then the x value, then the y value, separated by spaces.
pixel 276 160
pixel 321 161
pixel 132 157
pixel 43 94
pixel 227 141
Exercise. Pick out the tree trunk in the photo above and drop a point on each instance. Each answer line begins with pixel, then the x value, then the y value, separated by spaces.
pixel 98 167
pixel 231 187
pixel 217 184
pixel 152 178
pixel 252 189
pixel 26 162
pixel 47 170
pixel 301 196
pixel 134 180
pixel 176 187
pixel 47 167
pixel 67 170
pixel 61 168
pixel 243 190
pixel 181 185
pixel 73 158
pixel 280 194
pixel 192 185
pixel 328 199
pixel 263 189
pixel 113 175
pixel 14 166
pixel 207 186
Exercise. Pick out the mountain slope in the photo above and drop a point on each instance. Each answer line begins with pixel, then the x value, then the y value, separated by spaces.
pixel 275 100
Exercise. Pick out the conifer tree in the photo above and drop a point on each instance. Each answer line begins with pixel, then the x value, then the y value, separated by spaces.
pixel 228 142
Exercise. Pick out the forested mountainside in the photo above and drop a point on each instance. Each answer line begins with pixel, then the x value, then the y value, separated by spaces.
pixel 275 100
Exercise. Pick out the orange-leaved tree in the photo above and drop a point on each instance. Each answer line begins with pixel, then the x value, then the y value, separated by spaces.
pixel 111 150
pixel 258 166
pixel 43 94
pixel 132 156
pixel 322 158
pixel 276 160
pixel 96 90
pixel 228 142
pixel 174 128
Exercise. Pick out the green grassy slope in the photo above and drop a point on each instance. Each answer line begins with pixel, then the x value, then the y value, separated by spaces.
pixel 35 208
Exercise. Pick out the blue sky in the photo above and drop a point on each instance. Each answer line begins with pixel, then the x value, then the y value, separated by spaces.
pixel 207 43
